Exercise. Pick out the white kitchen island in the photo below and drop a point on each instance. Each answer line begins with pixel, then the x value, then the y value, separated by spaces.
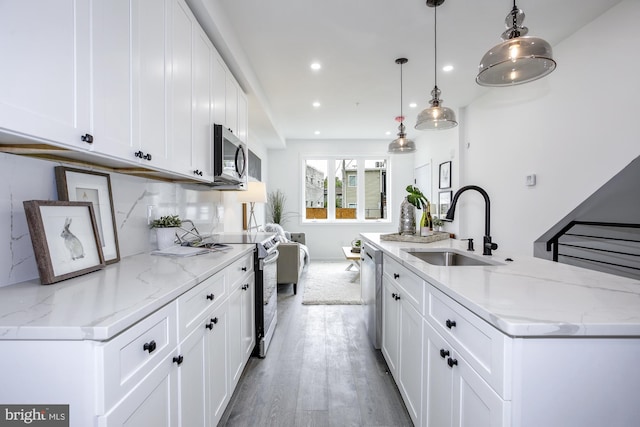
pixel 148 341
pixel 527 342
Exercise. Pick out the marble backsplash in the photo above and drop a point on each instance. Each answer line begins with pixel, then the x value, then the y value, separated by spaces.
pixel 33 179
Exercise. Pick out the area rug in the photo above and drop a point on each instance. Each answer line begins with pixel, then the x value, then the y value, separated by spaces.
pixel 328 283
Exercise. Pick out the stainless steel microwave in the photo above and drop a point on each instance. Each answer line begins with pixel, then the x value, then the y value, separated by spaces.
pixel 229 158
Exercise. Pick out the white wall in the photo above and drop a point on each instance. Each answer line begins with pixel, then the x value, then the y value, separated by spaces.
pixel 574 129
pixel 325 240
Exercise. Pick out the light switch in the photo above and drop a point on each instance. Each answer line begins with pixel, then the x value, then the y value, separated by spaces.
pixel 531 180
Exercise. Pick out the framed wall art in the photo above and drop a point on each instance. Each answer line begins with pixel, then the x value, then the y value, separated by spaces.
pixel 65 239
pixel 445 175
pixel 444 202
pixel 77 185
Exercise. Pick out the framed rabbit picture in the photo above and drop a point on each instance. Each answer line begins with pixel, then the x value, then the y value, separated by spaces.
pixel 65 239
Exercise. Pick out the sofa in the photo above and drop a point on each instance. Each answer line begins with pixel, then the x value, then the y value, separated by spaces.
pixel 294 255
pixel 292 260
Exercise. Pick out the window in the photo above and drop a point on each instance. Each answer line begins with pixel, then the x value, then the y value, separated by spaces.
pixel 353 188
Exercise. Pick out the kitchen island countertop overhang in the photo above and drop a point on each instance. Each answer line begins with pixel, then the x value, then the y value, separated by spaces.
pixel 529 297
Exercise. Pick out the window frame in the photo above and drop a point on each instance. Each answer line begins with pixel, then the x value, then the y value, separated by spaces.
pixel 331 160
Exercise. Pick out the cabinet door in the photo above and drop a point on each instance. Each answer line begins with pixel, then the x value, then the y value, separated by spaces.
pixel 243 117
pixel 231 103
pixel 180 106
pixel 44 90
pixel 219 90
pixel 390 324
pixel 248 317
pixel 111 68
pixel 474 403
pixel 150 80
pixel 193 379
pixel 437 379
pixel 235 336
pixel 202 147
pixel 410 358
pixel 217 375
pixel 153 403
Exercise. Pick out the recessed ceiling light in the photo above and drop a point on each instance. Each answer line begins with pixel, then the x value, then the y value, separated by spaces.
pixel 387 133
pixel 316 104
pixel 447 68
pixel 413 105
pixel 317 132
pixel 315 66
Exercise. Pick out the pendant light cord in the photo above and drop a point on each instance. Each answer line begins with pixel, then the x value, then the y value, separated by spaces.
pixel 435 44
pixel 401 115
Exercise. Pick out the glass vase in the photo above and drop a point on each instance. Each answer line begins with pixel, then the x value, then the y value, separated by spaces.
pixel 407 219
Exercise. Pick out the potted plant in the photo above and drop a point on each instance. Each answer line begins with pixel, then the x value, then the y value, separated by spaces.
pixel 437 223
pixel 275 203
pixel 419 200
pixel 166 230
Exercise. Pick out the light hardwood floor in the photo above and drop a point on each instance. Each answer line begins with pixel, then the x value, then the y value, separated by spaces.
pixel 320 370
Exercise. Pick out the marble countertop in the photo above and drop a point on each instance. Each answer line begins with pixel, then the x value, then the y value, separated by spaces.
pixel 529 296
pixel 101 304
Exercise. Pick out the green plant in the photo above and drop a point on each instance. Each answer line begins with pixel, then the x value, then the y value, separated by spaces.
pixel 437 222
pixel 166 222
pixel 420 201
pixel 275 202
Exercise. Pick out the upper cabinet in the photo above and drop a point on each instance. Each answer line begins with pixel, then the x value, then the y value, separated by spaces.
pixel 126 82
pixel 45 89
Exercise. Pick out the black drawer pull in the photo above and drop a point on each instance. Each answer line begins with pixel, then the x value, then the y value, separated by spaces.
pixel 244 268
pixel 211 297
pixel 444 353
pixel 450 323
pixel 87 137
pixel 178 360
pixel 197 172
pixel 215 320
pixel 396 276
pixel 451 362
pixel 397 297
pixel 394 295
pixel 245 287
pixel 149 346
pixel 209 326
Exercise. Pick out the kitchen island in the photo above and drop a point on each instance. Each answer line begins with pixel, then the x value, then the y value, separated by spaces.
pixel 522 342
pixel 148 341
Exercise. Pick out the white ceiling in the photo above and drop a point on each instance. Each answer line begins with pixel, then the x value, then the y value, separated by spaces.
pixel 357 42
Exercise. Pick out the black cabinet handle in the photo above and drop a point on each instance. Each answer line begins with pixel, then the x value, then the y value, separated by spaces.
pixel 396 275
pixel 245 287
pixel 397 297
pixel 451 362
pixel 244 269
pixel 444 353
pixel 209 326
pixel 143 156
pixel 211 297
pixel 393 295
pixel 149 346
pixel 450 323
pixel 178 360
pixel 87 137
pixel 215 320
pixel 197 172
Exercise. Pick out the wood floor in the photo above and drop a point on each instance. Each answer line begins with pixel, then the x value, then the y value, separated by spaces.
pixel 320 370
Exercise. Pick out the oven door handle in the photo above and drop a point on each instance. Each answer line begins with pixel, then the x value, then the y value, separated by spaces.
pixel 272 257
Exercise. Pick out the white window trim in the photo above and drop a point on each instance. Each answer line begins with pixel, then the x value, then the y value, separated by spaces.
pixel 331 209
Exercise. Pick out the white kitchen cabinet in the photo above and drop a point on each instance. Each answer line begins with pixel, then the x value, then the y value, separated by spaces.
pixel 454 393
pixel 219 73
pixel 241 326
pixel 231 103
pixel 219 388
pixel 402 342
pixel 203 106
pixel 243 117
pixel 45 86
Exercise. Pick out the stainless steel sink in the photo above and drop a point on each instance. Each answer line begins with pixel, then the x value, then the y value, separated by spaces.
pixel 449 258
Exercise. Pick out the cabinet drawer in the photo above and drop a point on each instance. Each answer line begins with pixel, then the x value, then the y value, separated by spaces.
pixel 239 269
pixel 412 286
pixel 483 346
pixel 195 303
pixel 125 360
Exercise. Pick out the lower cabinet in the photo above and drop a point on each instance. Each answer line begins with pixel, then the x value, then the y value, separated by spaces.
pixel 454 394
pixel 242 326
pixel 402 345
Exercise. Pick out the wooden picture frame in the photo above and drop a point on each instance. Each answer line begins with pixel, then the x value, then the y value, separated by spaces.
pixel 65 239
pixel 445 175
pixel 78 185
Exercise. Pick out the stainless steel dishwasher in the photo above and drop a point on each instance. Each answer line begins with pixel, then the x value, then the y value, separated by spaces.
pixel 371 285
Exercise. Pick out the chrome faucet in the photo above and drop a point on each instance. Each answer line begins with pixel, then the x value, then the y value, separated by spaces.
pixel 488 245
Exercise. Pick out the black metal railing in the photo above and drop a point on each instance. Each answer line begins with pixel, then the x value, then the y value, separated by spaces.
pixel 604 246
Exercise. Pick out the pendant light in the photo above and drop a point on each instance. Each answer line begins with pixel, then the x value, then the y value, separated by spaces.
pixel 401 144
pixel 436 117
pixel 517 59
